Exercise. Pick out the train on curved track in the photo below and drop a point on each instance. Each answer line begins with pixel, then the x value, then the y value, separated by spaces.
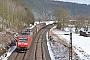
pixel 24 40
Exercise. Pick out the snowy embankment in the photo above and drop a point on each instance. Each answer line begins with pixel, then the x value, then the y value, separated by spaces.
pixel 49 49
pixel 80 44
pixel 8 53
pixel 57 49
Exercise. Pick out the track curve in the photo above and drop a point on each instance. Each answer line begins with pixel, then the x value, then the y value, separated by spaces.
pixel 38 49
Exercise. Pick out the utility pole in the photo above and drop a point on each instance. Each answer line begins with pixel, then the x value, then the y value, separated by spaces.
pixel 70 47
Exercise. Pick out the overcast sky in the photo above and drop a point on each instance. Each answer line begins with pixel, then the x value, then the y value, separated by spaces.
pixel 77 1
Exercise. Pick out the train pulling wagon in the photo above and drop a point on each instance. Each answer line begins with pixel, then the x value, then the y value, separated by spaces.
pixel 24 40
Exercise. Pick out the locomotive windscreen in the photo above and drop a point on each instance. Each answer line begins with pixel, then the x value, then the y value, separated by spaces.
pixel 26 33
pixel 23 39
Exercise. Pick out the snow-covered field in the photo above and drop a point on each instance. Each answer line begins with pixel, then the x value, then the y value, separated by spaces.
pixel 80 44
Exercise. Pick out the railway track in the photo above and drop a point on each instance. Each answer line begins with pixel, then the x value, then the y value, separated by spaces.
pixel 38 49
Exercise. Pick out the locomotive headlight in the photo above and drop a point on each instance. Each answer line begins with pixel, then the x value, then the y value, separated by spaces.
pixel 19 43
pixel 25 43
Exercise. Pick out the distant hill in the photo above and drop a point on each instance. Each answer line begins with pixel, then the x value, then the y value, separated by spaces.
pixel 48 6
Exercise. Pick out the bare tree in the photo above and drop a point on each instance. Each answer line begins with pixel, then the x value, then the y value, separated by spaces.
pixel 14 13
pixel 62 16
pixel 83 21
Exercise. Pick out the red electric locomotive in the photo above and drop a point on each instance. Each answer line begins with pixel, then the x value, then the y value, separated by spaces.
pixel 24 40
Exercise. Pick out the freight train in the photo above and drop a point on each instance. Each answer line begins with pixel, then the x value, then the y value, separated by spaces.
pixel 24 40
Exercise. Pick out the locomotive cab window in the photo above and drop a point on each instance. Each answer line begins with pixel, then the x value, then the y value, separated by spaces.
pixel 23 39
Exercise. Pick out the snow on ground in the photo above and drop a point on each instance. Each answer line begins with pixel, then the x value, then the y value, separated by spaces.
pixel 80 44
pixel 58 50
pixel 49 48
pixel 47 22
pixel 8 53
